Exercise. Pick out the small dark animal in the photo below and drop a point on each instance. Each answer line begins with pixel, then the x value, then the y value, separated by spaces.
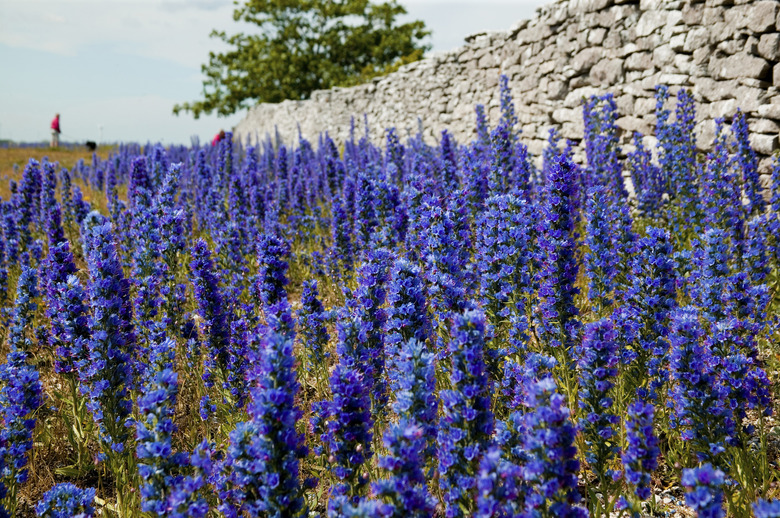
pixel 91 146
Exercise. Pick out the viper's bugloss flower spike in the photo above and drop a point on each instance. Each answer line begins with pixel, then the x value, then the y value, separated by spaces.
pixel 265 452
pixel 722 191
pixel 345 507
pixel 50 211
pixel 640 457
pixel 698 396
pixel 552 465
pixel 501 489
pixel 66 500
pixel 648 180
pixel 212 312
pixel 601 145
pixel 504 261
pixel 712 257
pixel 107 373
pixel 602 259
pixel 705 491
pixel 311 322
pixel 757 254
pixel 411 443
pixel 341 254
pixel 365 211
pixel 557 243
pixel 370 315
pixel 467 420
pixel 349 434
pixel 597 362
pixel 166 491
pixel 66 309
pixel 272 254
pixel 677 158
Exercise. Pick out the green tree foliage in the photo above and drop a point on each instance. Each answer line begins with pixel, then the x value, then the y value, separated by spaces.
pixel 302 46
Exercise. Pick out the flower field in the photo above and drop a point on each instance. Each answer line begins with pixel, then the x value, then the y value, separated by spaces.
pixel 406 330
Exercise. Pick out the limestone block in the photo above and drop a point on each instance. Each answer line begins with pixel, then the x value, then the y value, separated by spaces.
pixel 738 65
pixel 769 46
pixel 631 124
pixel 673 79
pixel 573 130
pixel 586 59
pixel 650 21
pixel 696 38
pixel 639 61
pixel 761 15
pixel 764 144
pixel 625 104
pixel 769 111
pixel 764 126
pixel 723 108
pixel 557 90
pixel 712 90
pixel 711 16
pixel 776 75
pixel 607 72
pixel 677 42
pixel 705 134
pixel 596 36
pixel 685 64
pixel 692 14
pixel 663 56
pixel 643 105
pixel 751 98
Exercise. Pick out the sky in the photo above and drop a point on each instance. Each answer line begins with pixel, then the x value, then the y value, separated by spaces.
pixel 114 69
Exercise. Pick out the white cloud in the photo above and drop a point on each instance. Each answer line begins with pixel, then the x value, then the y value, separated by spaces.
pixel 177 31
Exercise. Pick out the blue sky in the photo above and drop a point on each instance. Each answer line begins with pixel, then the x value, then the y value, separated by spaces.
pixel 114 69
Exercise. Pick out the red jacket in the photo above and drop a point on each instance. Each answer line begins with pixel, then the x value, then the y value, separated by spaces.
pixel 55 124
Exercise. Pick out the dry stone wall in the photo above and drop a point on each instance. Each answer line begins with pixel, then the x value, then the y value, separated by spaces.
pixel 726 51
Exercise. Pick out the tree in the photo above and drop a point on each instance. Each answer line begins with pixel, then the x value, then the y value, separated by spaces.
pixel 302 46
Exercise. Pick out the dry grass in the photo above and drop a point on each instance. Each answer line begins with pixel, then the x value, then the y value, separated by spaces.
pixel 18 157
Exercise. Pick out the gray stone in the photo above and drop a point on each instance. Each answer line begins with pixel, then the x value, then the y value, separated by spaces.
pixel 596 36
pixel 673 79
pixel 692 14
pixel 632 124
pixel 702 55
pixel 677 42
pixel 574 97
pixel 723 108
pixel 625 104
pixel 606 72
pixel 769 111
pixel 769 46
pixel 650 21
pixel 713 90
pixel 764 144
pixel 751 99
pixel 586 59
pixel 738 65
pixel 762 15
pixel 776 75
pixel 639 61
pixel 764 126
pixel 663 55
pixel 557 90
pixel 705 133
pixel 696 38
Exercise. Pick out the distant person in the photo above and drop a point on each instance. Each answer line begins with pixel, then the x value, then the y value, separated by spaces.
pixel 218 138
pixel 55 131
